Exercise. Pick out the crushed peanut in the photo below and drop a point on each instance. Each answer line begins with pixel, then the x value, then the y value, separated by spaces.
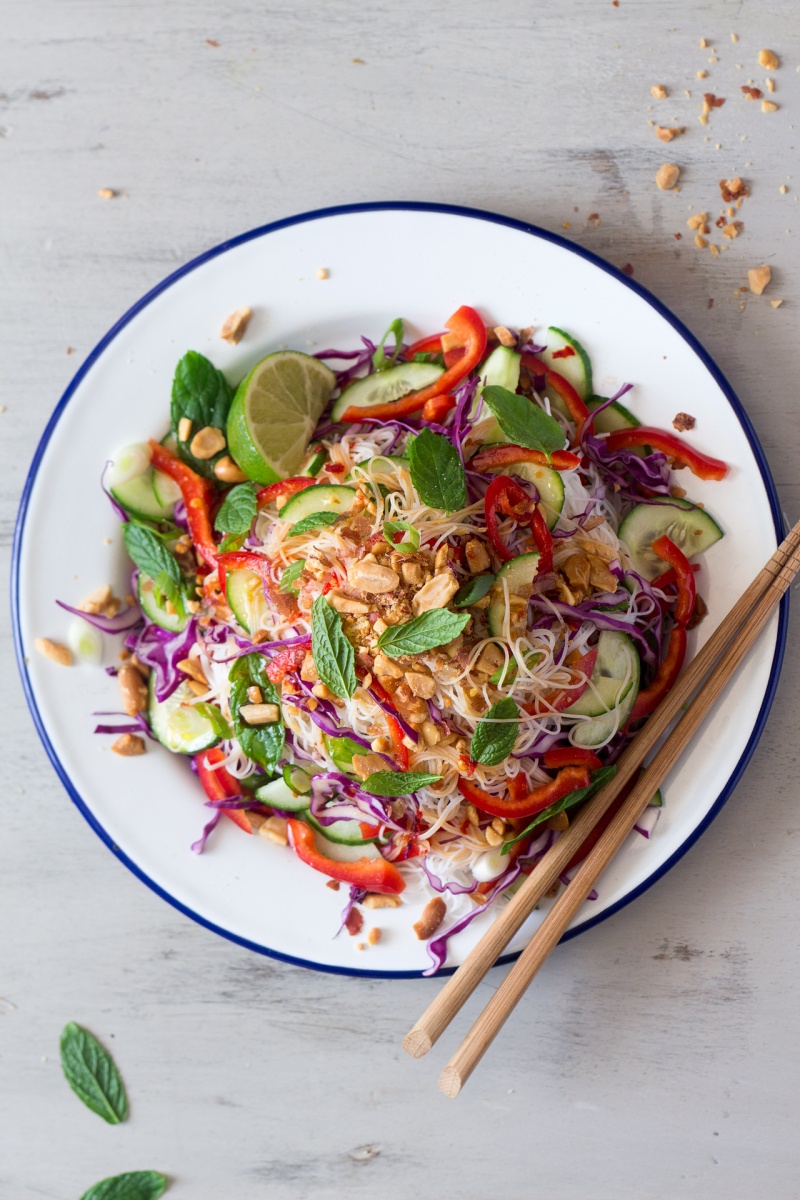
pixel 666 134
pixel 107 193
pixel 378 900
pixel 433 914
pixel 259 714
pixel 768 106
pixel 775 303
pixel 128 745
pixel 504 336
pixel 697 220
pixel 758 278
pixel 133 689
pixel 207 442
pixel 184 429
pixel 658 91
pixel 751 93
pixel 667 176
pixel 768 59
pixel 234 325
pixel 274 830
pixel 700 242
pixel 374 936
pixel 323 273
pixel 227 471
pixel 56 651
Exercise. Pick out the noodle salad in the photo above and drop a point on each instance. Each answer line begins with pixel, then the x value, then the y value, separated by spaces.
pixel 403 606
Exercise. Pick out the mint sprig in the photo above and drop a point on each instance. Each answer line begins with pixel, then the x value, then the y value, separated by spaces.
pixel 91 1073
pixel 397 783
pixel 238 510
pixel 425 632
pixel 437 472
pixel 332 652
pixel 496 733
pixel 133 1185
pixel 523 422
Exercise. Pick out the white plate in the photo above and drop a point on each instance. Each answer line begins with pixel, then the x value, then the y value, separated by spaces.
pixel 421 262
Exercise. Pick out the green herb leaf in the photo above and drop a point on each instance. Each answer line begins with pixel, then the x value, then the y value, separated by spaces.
pixel 291 575
pixel 333 655
pixel 431 629
pixel 149 554
pixel 506 674
pixel 407 545
pixel 90 1071
pixel 598 778
pixel 221 727
pixel 397 783
pixel 231 541
pixel 238 510
pixel 379 359
pixel 133 1185
pixel 437 472
pixel 472 592
pixel 523 422
pixel 313 521
pixel 495 734
pixel 203 394
pixel 262 743
pixel 166 589
pixel 341 751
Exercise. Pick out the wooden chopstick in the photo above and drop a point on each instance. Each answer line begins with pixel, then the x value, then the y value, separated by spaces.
pixel 768 586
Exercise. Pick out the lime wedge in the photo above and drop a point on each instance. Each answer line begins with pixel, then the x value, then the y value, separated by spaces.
pixel 274 412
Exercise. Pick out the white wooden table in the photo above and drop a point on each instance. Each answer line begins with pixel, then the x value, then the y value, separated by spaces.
pixel 657 1055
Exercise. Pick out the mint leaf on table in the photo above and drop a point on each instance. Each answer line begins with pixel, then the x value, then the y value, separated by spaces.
pixel 90 1071
pixel 313 521
pixel 332 652
pixel 598 778
pixel 430 629
pixel 523 422
pixel 238 510
pixel 495 734
pixel 472 592
pixel 149 554
pixel 396 783
pixel 379 359
pixel 437 472
pixel 203 394
pixel 291 575
pixel 133 1185
pixel 263 743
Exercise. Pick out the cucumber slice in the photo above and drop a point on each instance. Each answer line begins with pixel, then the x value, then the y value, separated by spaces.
pixel 278 794
pixel 519 575
pixel 616 416
pixel 548 483
pixel 166 490
pixel 616 667
pixel 689 527
pixel 385 386
pixel 314 463
pixel 245 592
pixel 176 722
pixel 342 833
pixel 345 851
pixel 500 369
pixel 138 497
pixel 566 356
pixel 334 497
pixel 616 658
pixel 155 611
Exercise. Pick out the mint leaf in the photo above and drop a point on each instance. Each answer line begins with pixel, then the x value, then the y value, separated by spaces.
pixel 598 778
pixel 472 592
pixel 291 575
pixel 397 783
pixel 431 629
pixel 203 394
pixel 90 1071
pixel 262 743
pixel 495 734
pixel 231 541
pixel 313 521
pixel 238 510
pixel 133 1185
pixel 523 422
pixel 379 359
pixel 332 653
pixel 408 545
pixel 149 554
pixel 437 472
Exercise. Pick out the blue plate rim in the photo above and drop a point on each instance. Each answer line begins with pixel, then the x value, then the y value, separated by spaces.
pixel 344 210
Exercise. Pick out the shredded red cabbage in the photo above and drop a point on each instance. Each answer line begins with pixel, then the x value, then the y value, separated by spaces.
pixel 121 623
pixel 161 650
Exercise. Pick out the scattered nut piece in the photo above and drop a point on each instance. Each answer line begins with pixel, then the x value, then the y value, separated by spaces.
pixel 714 251
pixel 433 914
pixel 345 604
pixel 274 830
pixel 333 884
pixel 700 242
pixel 770 84
pixel 378 900
pixel 374 936
pixel 55 651
pixel 192 668
pixel 373 578
pixel 667 176
pixel 365 765
pixel 712 101
pixel 751 93
pixel 658 91
pixel 697 219
pixel 227 470
pixel 768 59
pixel 97 600
pixel 775 303
pixel 323 273
pixel 666 134
pixel 234 325
pixel 734 37
pixel 184 429
pixel 703 44
pixel 731 230
pixel 683 421
pixel 504 336
pixel 128 745
pixel 436 593
pixel 768 106
pixel 207 442
pixel 702 74
pixel 107 193
pixel 733 189
pixel 259 714
pixel 758 278
pixel 133 689
pixel 254 695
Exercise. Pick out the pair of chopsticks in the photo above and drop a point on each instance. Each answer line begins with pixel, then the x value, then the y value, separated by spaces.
pixel 707 675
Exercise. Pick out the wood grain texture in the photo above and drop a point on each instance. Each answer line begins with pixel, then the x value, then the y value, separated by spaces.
pixel 662 1047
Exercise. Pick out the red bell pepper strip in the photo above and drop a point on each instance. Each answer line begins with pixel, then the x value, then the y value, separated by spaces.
pixel 469 328
pixel 219 785
pixel 198 495
pixel 662 581
pixel 562 387
pixel 518 787
pixel 665 548
pixel 570 756
pixel 287 660
pixel 372 874
pixel 426 345
pixel 437 408
pixel 569 779
pixel 504 496
pixel 399 748
pixel 237 560
pixel 669 670
pixel 543 539
pixel 700 464
pixel 506 456
pixel 283 489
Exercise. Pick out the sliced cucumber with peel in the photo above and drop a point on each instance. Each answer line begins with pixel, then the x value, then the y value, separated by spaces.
pixel 342 833
pixel 519 575
pixel 500 369
pixel 245 592
pixel 383 387
pixel 278 794
pixel 616 416
pixel 156 611
pixel 334 497
pixel 166 490
pixel 176 722
pixel 615 682
pixel 344 851
pixel 139 499
pixel 566 356
pixel 687 525
pixel 314 462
